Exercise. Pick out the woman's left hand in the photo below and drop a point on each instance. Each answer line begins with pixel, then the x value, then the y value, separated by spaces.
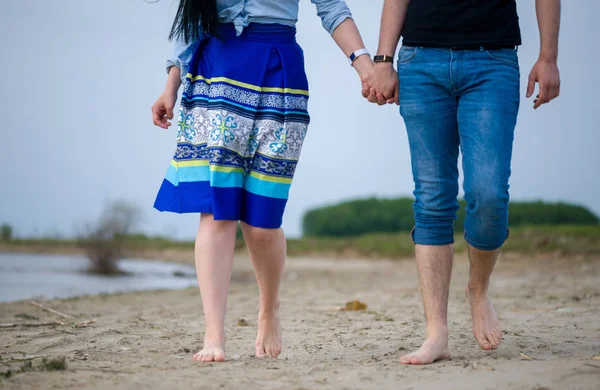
pixel 162 110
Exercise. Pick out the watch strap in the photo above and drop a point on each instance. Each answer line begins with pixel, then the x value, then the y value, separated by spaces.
pixel 383 58
pixel 357 54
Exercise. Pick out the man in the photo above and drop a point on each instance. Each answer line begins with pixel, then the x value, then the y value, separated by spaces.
pixel 459 88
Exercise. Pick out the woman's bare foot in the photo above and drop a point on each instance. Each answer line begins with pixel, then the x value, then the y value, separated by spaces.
pixel 212 351
pixel 268 340
pixel 433 349
pixel 486 327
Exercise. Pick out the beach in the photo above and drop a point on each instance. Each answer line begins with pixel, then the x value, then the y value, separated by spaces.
pixel 549 307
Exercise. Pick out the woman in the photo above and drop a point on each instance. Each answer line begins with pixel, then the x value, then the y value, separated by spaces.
pixel 242 122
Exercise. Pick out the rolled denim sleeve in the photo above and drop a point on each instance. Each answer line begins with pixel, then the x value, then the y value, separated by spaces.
pixel 332 13
pixel 181 55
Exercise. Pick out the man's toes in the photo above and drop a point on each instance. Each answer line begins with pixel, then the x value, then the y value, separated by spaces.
pixel 260 351
pixel 219 357
pixel 498 340
pixel 416 360
pixel 275 351
pixel 498 334
pixel 200 357
pixel 411 359
pixel 483 343
pixel 270 351
pixel 494 339
pixel 405 359
pixel 491 340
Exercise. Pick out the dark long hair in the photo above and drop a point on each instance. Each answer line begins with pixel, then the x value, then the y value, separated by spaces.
pixel 189 16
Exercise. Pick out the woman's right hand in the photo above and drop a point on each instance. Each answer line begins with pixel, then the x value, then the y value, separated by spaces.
pixel 162 110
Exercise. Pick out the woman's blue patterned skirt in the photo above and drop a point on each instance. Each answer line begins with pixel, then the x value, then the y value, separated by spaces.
pixel 242 122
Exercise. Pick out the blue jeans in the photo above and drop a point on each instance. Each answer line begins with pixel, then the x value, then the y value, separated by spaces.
pixel 467 100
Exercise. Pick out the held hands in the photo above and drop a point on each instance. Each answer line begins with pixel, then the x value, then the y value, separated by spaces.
pixel 379 81
pixel 381 84
pixel 546 74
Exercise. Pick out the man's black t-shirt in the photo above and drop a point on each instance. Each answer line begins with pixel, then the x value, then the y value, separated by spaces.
pixel 462 23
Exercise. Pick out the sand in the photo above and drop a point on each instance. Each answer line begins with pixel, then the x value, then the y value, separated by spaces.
pixel 548 305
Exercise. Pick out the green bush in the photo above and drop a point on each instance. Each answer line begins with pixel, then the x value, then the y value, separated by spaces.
pixel 358 217
pixel 6 232
pixel 374 215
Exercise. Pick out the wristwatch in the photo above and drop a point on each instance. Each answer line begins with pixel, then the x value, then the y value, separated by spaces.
pixel 356 54
pixel 383 58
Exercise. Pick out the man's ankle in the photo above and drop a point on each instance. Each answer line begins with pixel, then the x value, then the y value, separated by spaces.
pixel 437 331
pixel 214 335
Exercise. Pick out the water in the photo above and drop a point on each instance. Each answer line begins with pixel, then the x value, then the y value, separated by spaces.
pixel 37 276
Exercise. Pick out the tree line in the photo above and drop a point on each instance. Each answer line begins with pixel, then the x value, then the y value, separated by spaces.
pixel 377 215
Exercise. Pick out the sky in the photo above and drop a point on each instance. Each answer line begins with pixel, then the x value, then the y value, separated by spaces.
pixel 78 78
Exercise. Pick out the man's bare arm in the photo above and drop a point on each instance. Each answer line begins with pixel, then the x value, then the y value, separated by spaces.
pixel 545 71
pixel 392 23
pixel 383 80
pixel 548 16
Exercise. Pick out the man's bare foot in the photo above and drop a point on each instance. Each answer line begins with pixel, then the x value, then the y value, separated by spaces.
pixel 212 351
pixel 486 327
pixel 268 340
pixel 433 349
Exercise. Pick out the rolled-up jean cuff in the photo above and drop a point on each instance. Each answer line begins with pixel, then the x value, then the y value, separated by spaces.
pixel 430 241
pixel 488 247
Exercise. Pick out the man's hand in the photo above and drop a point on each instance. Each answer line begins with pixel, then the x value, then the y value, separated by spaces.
pixel 381 84
pixel 546 74
pixel 545 71
pixel 162 110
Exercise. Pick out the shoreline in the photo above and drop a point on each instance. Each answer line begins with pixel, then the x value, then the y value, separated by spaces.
pixel 532 241
pixel 181 256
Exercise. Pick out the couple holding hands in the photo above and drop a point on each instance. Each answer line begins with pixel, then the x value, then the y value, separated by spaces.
pixel 243 120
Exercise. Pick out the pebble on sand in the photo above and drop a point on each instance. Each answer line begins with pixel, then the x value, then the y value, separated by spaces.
pixel 355 306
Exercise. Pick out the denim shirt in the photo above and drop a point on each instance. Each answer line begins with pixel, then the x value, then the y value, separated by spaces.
pixel 243 12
